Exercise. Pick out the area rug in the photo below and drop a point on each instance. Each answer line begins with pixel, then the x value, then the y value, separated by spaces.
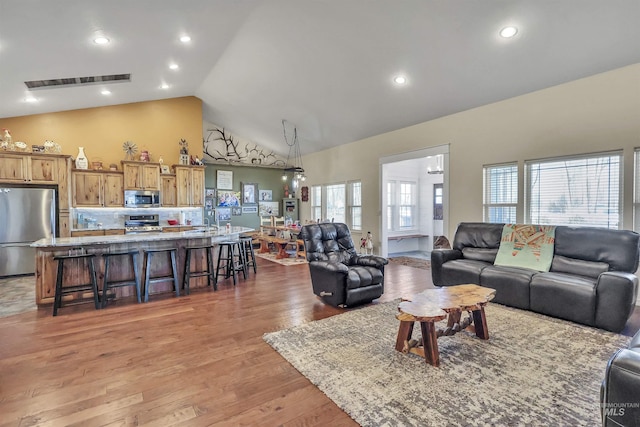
pixel 534 370
pixel 412 262
pixel 284 261
pixel 17 295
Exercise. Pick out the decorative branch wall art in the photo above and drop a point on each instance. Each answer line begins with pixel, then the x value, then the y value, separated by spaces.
pixel 219 145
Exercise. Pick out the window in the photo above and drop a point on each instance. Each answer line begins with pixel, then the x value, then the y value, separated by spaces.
pixel 500 196
pixel 636 190
pixel 354 205
pixel 437 202
pixel 335 211
pixel 581 190
pixel 401 205
pixel 316 202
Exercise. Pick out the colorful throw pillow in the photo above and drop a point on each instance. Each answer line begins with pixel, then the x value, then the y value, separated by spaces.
pixel 527 246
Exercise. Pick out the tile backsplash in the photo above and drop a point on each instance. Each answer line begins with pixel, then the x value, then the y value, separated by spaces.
pixel 84 218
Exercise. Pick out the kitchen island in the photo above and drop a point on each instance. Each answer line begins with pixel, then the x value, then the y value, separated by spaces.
pixel 47 249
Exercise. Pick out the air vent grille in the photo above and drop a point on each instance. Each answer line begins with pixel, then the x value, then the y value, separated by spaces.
pixel 77 81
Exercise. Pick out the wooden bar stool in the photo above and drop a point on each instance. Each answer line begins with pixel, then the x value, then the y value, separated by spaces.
pixel 210 272
pixel 149 278
pixel 246 242
pixel 230 255
pixel 65 290
pixel 110 284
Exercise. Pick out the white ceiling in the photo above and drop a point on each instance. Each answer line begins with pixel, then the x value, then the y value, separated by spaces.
pixel 325 66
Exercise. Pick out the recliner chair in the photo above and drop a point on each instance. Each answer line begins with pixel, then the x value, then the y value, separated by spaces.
pixel 339 275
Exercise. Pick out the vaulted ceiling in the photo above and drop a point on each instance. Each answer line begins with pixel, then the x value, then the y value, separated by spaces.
pixel 326 66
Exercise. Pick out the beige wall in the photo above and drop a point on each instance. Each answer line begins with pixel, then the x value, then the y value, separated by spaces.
pixel 156 126
pixel 597 113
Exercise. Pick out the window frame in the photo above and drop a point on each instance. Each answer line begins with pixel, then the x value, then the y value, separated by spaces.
pixel 511 187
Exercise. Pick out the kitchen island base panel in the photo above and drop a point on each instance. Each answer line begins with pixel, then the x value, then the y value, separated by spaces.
pixel 47 249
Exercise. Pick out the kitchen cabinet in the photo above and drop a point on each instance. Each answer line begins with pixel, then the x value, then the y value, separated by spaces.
pixel 168 194
pixel 141 175
pixel 63 224
pixel 189 185
pixel 29 168
pixel 97 188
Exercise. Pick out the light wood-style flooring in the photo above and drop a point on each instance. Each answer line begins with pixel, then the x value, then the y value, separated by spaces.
pixel 197 360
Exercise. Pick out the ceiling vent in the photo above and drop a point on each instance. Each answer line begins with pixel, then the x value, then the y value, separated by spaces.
pixel 77 81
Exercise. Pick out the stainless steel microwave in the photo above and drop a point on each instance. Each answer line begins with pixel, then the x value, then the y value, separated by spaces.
pixel 141 199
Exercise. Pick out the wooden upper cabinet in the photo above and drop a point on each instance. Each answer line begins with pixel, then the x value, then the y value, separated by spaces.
pixel 168 192
pixel 190 185
pixel 97 189
pixel 141 175
pixel 29 168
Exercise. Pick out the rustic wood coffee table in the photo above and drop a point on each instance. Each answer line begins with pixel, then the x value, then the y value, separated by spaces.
pixel 433 305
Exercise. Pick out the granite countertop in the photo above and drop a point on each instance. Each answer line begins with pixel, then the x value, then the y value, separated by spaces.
pixel 198 233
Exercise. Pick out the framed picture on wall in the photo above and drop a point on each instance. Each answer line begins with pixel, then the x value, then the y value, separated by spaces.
pixel 249 209
pixel 228 198
pixel 224 180
pixel 266 195
pixel 224 214
pixel 236 211
pixel 249 192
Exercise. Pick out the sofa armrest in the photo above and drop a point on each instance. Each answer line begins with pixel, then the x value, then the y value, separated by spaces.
pixel 370 261
pixel 616 294
pixel 438 258
pixel 620 389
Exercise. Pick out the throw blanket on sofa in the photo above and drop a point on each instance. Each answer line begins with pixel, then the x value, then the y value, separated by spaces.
pixel 527 246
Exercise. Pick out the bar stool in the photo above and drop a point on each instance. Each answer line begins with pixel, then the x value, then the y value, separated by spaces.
pixel 228 252
pixel 246 243
pixel 110 284
pixel 65 290
pixel 149 279
pixel 210 272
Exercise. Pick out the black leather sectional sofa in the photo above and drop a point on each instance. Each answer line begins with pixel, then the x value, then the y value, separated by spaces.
pixel 620 392
pixel 591 280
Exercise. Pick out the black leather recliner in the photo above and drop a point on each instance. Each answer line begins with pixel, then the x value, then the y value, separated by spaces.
pixel 339 275
pixel 620 392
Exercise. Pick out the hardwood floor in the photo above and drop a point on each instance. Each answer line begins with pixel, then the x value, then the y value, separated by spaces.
pixel 197 360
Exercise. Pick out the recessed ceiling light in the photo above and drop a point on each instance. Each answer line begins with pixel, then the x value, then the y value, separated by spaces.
pixel 174 66
pixel 30 99
pixel 400 80
pixel 164 86
pixel 101 40
pixel 106 92
pixel 185 39
pixel 508 32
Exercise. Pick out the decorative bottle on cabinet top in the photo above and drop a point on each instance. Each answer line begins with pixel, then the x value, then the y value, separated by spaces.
pixel 81 159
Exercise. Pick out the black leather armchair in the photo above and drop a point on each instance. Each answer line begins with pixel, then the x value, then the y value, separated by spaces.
pixel 620 392
pixel 339 275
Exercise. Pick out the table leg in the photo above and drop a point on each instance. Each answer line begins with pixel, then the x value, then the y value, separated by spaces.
pixel 404 334
pixel 480 322
pixel 430 343
pixel 282 251
pixel 264 247
pixel 454 317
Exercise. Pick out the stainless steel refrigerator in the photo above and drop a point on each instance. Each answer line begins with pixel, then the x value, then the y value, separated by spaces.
pixel 27 214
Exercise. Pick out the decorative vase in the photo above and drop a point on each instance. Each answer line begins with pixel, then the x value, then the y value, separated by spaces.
pixel 81 159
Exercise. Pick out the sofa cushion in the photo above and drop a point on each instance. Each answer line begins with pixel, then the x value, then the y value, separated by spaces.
pixel 562 264
pixel 566 296
pixel 462 271
pixel 511 284
pixel 480 254
pixel 477 235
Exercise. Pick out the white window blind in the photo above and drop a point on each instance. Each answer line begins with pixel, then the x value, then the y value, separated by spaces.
pixel 355 205
pixel 336 202
pixel 316 202
pixel 500 197
pixel 581 190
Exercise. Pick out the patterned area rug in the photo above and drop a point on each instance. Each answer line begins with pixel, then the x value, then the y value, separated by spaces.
pixel 284 261
pixel 534 370
pixel 412 262
pixel 17 295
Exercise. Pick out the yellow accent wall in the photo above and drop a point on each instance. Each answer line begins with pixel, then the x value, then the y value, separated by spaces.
pixel 156 126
